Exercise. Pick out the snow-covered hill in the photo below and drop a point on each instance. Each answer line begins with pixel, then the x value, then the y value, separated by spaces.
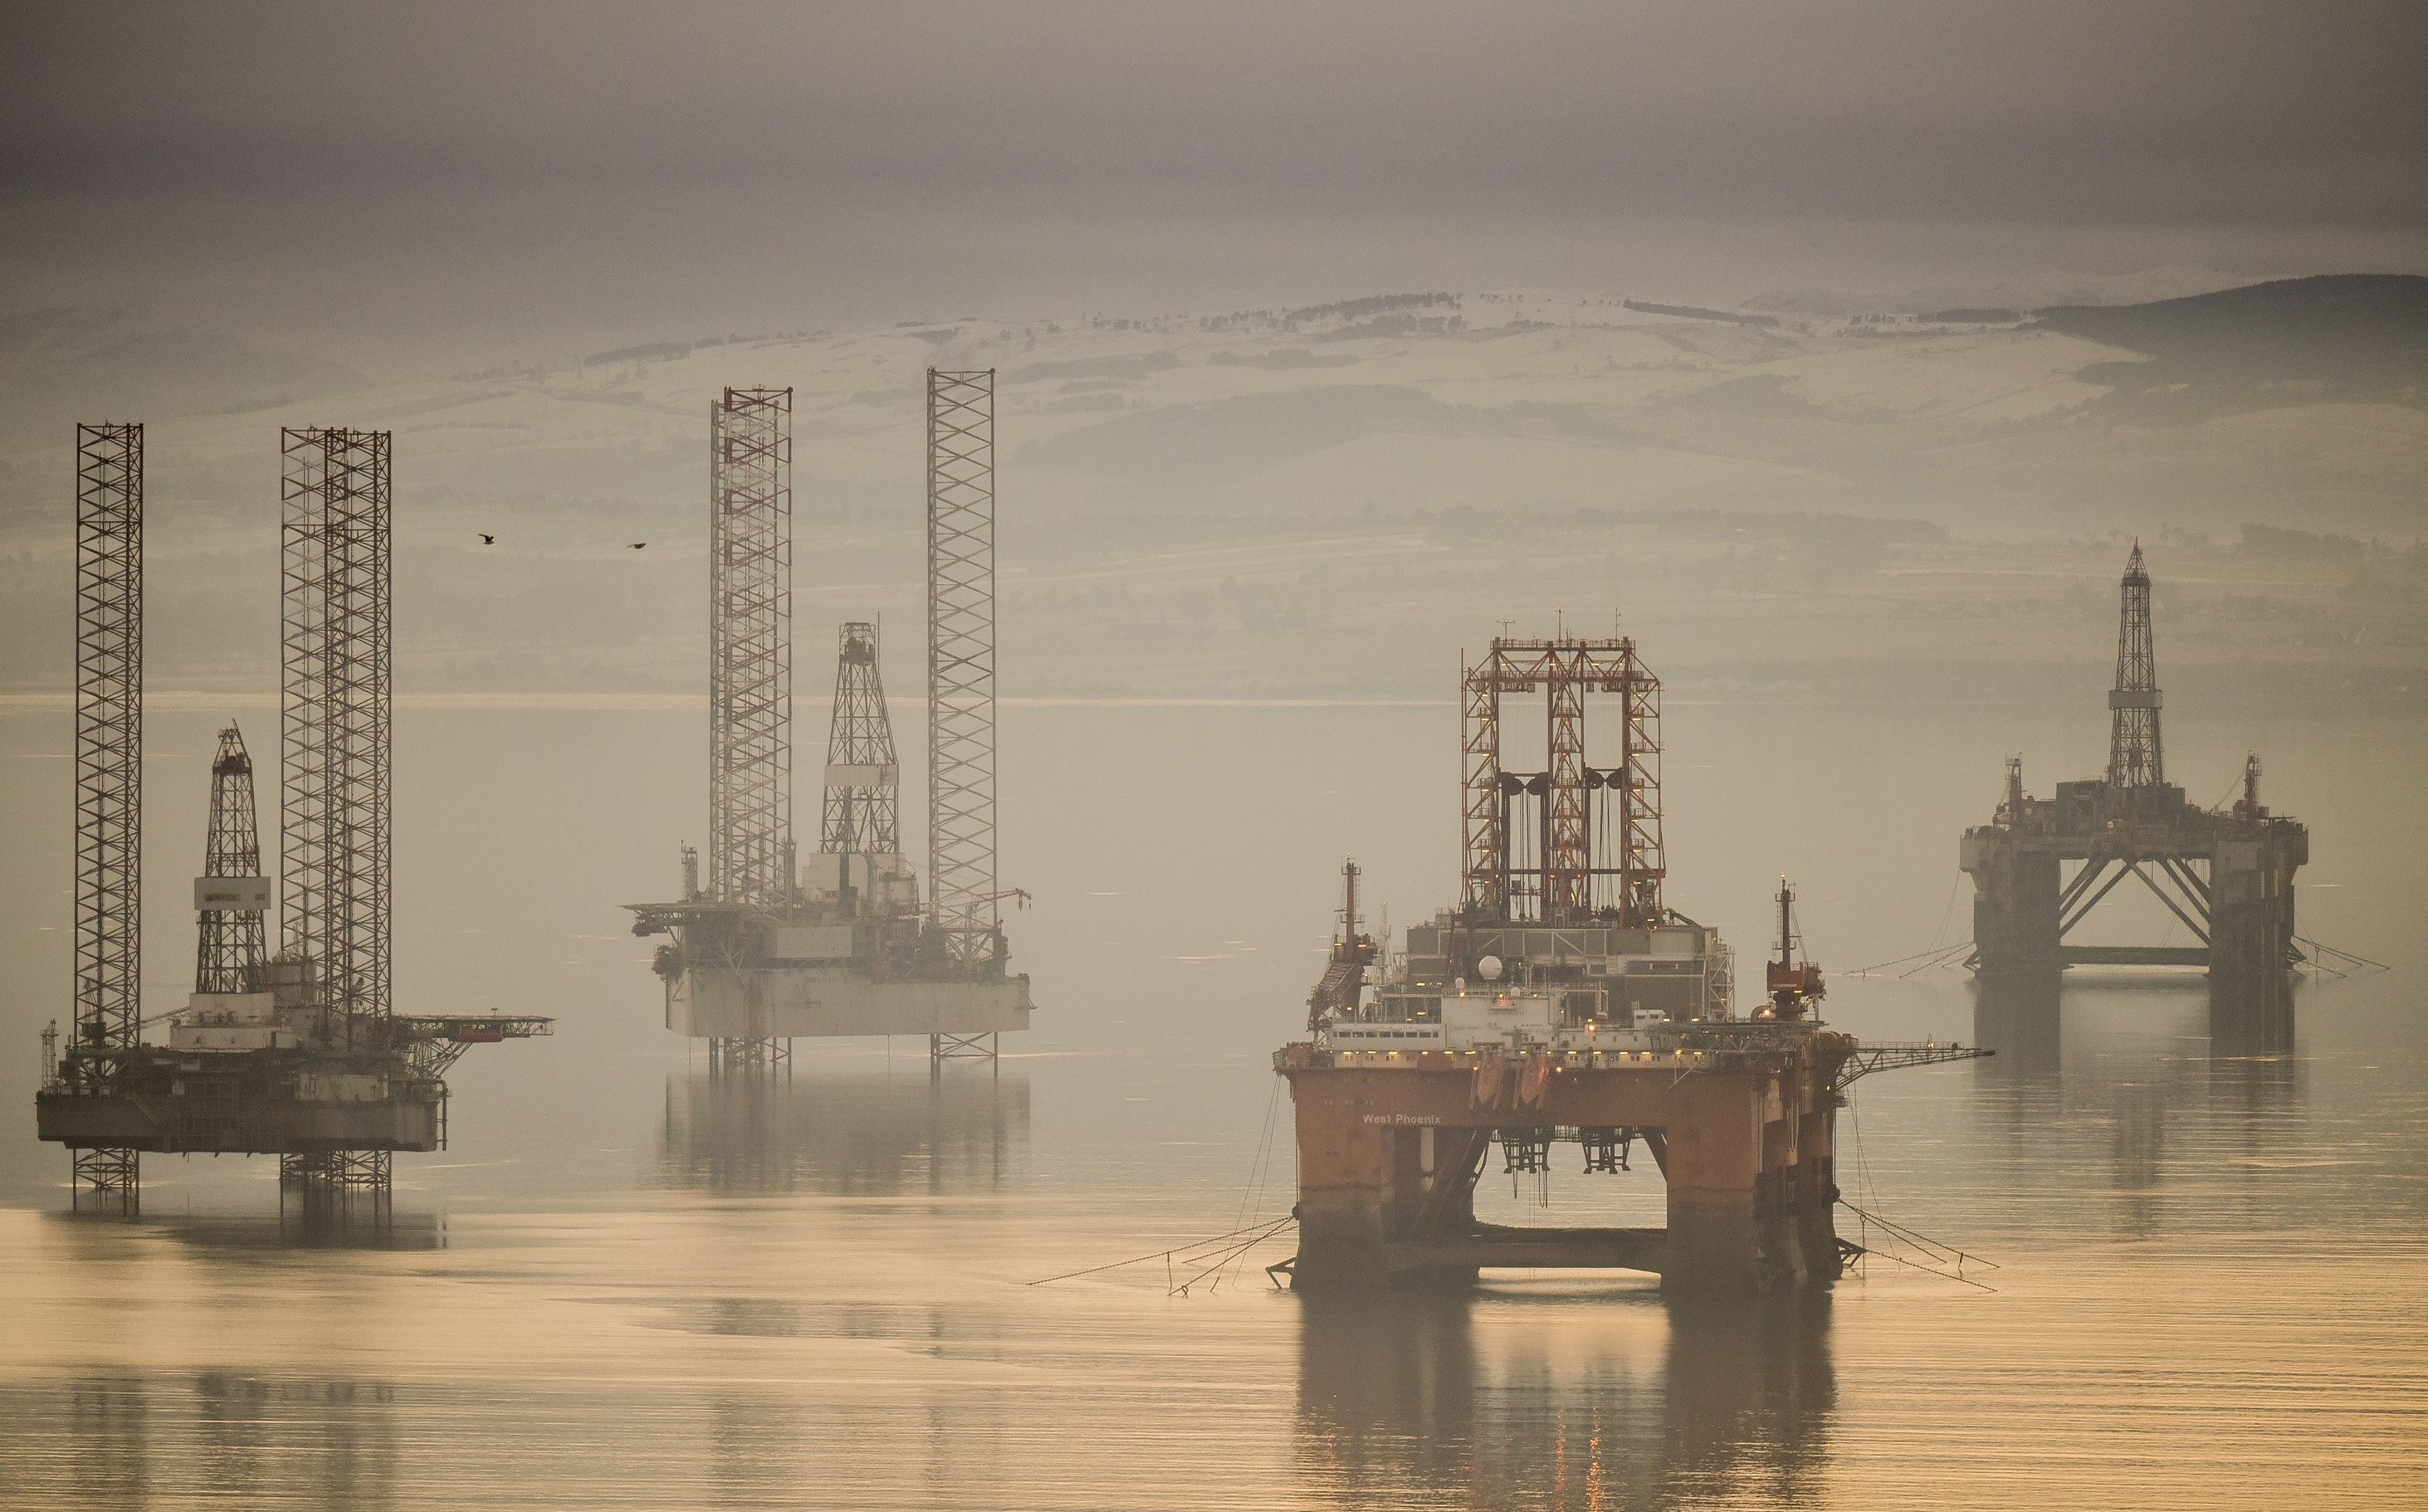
pixel 1139 458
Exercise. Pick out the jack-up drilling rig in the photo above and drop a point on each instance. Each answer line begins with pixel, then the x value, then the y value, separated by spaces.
pixel 770 951
pixel 1564 999
pixel 298 1055
pixel 2225 875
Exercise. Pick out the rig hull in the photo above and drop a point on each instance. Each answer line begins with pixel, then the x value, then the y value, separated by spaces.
pixel 1390 1148
pixel 255 1124
pixel 712 1002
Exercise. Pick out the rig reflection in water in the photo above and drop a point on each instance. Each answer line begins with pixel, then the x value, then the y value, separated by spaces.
pixel 950 1130
pixel 1562 1399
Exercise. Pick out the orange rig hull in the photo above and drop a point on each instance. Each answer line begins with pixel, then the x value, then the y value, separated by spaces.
pixel 1389 1148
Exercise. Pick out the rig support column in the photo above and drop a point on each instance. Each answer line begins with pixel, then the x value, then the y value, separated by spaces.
pixel 750 673
pixel 2015 898
pixel 337 722
pixel 2251 902
pixel 337 758
pixel 961 660
pixel 750 645
pixel 109 782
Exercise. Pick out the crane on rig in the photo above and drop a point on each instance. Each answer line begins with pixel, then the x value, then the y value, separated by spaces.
pixel 1352 957
pixel 1794 985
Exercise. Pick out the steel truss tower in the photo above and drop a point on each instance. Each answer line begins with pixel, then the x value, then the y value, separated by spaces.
pixel 751 672
pixel 750 647
pixel 2135 756
pixel 228 948
pixel 1566 884
pixel 863 793
pixel 961 661
pixel 109 778
pixel 336 813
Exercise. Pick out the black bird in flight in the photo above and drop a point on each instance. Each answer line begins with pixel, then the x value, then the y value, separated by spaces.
pixel 638 545
pixel 486 538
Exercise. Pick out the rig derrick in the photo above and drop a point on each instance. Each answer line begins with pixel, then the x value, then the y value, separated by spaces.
pixel 297 1055
pixel 2041 867
pixel 771 949
pixel 1565 1001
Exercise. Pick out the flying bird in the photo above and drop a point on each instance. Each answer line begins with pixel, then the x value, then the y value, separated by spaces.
pixel 638 545
pixel 486 538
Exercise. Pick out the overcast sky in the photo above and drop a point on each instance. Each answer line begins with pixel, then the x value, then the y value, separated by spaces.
pixel 488 174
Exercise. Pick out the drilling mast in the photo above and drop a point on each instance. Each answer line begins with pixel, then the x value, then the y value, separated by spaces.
pixel 229 893
pixel 961 660
pixel 1574 877
pixel 862 802
pixel 108 780
pixel 2135 756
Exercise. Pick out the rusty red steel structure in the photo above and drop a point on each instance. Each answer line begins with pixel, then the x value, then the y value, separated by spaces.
pixel 1573 882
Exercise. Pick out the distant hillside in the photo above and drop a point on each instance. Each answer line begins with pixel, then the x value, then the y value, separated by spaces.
pixel 2346 336
pixel 57 367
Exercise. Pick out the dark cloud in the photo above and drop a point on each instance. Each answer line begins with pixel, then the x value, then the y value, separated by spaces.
pixel 250 134
pixel 2168 112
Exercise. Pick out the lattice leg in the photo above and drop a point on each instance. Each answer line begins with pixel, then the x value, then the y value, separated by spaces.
pixel 108 1179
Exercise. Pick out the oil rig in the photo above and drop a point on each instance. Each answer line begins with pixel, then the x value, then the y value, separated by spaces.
pixel 767 948
pixel 297 1054
pixel 2226 874
pixel 1564 1000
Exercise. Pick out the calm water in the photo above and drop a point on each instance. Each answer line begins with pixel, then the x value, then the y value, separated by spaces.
pixel 625 1286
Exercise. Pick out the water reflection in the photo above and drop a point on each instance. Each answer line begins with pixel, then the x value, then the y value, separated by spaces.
pixel 962 1128
pixel 1585 1400
pixel 328 1443
pixel 2252 1016
pixel 2168 1080
pixel 99 1241
pixel 370 1229
pixel 2021 1014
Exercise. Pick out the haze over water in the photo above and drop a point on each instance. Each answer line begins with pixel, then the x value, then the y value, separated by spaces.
pixel 1836 353
pixel 622 1286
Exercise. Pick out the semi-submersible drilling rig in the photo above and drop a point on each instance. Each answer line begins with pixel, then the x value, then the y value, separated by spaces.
pixel 2226 874
pixel 296 1055
pixel 1562 999
pixel 768 948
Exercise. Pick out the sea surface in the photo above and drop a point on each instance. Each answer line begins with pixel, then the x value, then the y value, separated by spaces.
pixel 2199 1277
